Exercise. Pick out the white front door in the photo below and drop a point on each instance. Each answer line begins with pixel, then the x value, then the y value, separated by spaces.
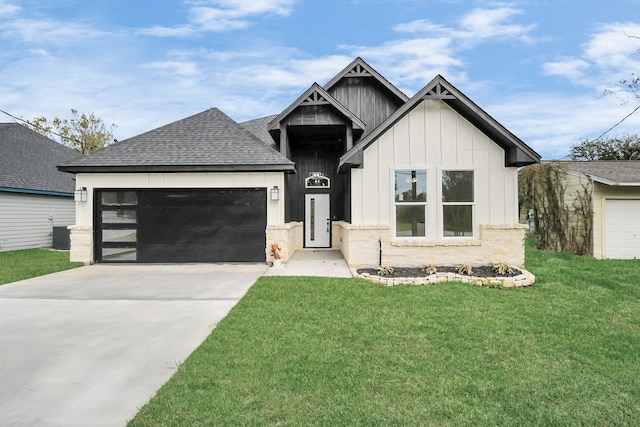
pixel 317 221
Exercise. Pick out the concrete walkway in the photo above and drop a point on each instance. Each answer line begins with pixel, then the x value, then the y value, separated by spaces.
pixel 90 346
pixel 313 262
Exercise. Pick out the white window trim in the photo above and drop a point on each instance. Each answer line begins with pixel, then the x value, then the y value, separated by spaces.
pixel 434 207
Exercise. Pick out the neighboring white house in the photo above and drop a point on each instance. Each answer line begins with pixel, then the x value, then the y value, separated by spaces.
pixel 354 165
pixel 34 196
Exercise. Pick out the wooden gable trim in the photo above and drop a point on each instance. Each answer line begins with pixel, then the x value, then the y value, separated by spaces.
pixel 439 92
pixel 315 99
pixel 316 95
pixel 359 68
pixel 517 152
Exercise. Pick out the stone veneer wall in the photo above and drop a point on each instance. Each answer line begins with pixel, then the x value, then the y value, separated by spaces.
pixel 81 237
pixel 496 243
pixel 288 236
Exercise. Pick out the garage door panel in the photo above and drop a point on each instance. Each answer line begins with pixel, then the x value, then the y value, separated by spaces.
pixel 622 234
pixel 201 225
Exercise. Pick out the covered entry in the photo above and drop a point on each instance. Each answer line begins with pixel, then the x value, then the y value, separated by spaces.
pixel 180 225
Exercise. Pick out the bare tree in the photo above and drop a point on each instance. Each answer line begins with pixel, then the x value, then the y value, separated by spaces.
pixel 82 132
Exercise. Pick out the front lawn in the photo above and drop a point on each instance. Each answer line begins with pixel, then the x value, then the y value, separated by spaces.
pixel 333 352
pixel 20 265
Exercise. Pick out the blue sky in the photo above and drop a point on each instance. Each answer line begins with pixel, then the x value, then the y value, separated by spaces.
pixel 538 67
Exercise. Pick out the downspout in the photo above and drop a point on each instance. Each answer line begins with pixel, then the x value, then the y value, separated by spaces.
pixel 380 251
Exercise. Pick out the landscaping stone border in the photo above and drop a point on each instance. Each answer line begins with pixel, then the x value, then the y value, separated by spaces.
pixel 519 281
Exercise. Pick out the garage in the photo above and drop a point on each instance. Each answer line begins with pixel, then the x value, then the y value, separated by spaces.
pixel 180 225
pixel 622 229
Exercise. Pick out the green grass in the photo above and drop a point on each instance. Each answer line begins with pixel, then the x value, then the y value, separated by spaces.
pixel 345 352
pixel 20 265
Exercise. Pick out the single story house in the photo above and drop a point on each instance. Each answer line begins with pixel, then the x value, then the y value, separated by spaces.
pixel 35 196
pixel 353 165
pixel 614 190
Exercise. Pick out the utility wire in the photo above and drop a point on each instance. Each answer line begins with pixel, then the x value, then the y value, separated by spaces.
pixel 619 123
pixel 608 130
pixel 82 143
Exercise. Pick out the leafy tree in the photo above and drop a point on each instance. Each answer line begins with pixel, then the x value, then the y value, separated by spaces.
pixel 82 132
pixel 623 147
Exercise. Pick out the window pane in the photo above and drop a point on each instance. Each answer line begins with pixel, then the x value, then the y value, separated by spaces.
pixel 113 236
pixel 119 254
pixel 410 221
pixel 411 186
pixel 114 198
pixel 457 186
pixel 458 221
pixel 121 216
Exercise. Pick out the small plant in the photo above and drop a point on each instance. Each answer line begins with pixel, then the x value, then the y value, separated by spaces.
pixel 464 269
pixel 430 269
pixel 502 268
pixel 385 270
pixel 275 251
pixel 495 284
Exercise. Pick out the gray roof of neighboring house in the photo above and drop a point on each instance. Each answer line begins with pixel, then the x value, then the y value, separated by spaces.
pixel 209 141
pixel 28 162
pixel 258 127
pixel 610 172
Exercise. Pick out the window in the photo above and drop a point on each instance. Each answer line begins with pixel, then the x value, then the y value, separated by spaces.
pixel 457 203
pixel 410 202
pixel 317 179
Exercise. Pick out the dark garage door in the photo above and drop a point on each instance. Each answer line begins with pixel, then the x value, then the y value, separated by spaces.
pixel 197 225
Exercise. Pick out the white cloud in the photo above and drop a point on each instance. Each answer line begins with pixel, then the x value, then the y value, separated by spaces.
pixel 222 15
pixel 177 68
pixel 254 7
pixel 488 23
pixel 438 48
pixel 160 31
pixel 412 61
pixel 7 8
pixel 610 55
pixel 572 68
pixel 420 26
pixel 612 47
pixel 550 123
pixel 476 25
pixel 47 31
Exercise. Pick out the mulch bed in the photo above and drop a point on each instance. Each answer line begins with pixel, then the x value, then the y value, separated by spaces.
pixel 484 271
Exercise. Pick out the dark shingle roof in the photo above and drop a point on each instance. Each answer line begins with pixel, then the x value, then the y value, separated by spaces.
pixel 209 141
pixel 258 127
pixel 611 172
pixel 29 159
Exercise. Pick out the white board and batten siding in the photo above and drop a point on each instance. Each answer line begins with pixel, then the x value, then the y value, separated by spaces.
pixel 434 137
pixel 24 219
pixel 622 234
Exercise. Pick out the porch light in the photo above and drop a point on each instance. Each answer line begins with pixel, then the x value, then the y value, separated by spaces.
pixel 275 193
pixel 80 195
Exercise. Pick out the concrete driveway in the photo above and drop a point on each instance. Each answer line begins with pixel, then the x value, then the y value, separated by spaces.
pixel 90 346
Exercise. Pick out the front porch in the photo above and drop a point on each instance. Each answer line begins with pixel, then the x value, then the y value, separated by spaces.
pixel 373 245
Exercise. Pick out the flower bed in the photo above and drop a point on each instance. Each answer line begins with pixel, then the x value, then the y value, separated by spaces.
pixel 483 276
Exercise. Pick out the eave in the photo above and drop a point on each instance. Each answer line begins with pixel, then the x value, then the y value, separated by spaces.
pixel 38 192
pixel 517 153
pixel 287 168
